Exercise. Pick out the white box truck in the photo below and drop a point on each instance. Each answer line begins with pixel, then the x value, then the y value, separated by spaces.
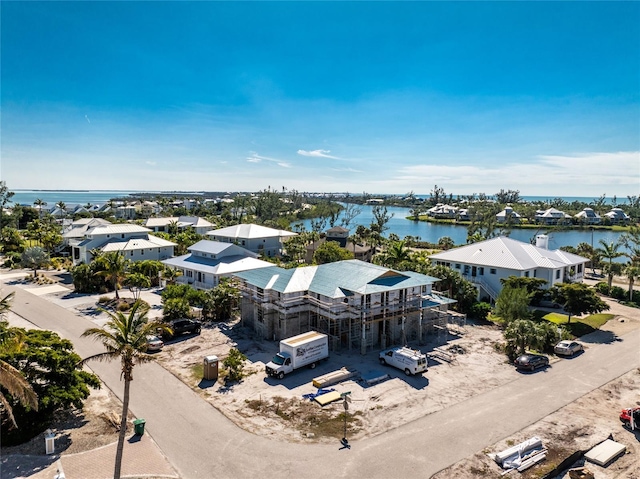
pixel 305 349
pixel 411 361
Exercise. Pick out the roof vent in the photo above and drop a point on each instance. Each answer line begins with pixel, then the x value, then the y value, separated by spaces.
pixel 542 241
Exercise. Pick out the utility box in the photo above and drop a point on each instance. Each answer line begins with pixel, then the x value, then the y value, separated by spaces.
pixel 210 368
pixel 49 442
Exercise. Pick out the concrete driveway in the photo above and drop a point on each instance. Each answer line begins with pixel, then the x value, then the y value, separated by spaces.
pixel 201 443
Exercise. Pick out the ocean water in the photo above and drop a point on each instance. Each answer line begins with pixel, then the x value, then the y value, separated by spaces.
pixel 69 197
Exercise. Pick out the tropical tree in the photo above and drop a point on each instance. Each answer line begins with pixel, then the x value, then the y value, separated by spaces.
pixel 33 258
pixel 395 255
pixel 520 334
pixel 61 205
pixel 171 274
pixel 11 380
pixel 11 240
pixel 513 304
pixel 125 338
pixel 329 252
pixel 532 285
pixel 114 267
pixel 5 198
pixel 136 282
pixel 609 252
pixel 632 272
pixel 577 299
pixel 39 204
pixel 446 243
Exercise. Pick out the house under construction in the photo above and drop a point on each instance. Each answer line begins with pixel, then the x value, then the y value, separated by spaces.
pixel 359 305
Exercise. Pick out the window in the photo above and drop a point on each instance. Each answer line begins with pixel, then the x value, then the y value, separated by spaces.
pixel 189 273
pixel 142 252
pixel 481 271
pixel 580 268
pixel 535 273
pixel 558 274
pixel 457 265
pixel 466 269
pixel 492 271
pixel 122 235
pixel 526 274
pixel 243 242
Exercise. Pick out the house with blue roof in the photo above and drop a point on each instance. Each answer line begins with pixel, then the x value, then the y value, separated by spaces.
pixel 357 304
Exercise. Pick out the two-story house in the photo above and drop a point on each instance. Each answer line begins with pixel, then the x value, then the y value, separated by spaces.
pixel 359 305
pixel 341 236
pixel 258 239
pixel 133 241
pixel 487 262
pixel 208 261
pixel 181 223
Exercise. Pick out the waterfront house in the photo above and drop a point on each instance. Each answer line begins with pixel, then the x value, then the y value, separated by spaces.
pixel 127 212
pixel 78 230
pixel 442 211
pixel 487 262
pixel 133 241
pixel 588 216
pixel 552 216
pixel 208 261
pixel 357 304
pixel 258 239
pixel 508 215
pixel 617 216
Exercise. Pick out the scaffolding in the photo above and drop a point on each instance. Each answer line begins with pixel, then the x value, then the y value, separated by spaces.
pixel 351 323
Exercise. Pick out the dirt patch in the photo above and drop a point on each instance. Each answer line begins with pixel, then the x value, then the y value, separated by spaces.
pixel 96 425
pixel 578 426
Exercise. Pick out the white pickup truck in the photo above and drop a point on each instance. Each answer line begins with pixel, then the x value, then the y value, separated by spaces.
pixel 411 361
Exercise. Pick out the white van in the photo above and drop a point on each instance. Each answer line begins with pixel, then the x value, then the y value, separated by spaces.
pixel 411 361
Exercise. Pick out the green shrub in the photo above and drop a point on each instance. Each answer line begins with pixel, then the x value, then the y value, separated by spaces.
pixel 480 311
pixel 618 293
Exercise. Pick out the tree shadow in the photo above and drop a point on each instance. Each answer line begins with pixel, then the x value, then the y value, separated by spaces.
pixel 600 337
pixel 16 466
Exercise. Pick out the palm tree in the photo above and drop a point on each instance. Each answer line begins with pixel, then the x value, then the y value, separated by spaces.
pixel 632 271
pixel 609 251
pixel 115 266
pixel 396 254
pixel 62 206
pixel 34 258
pixel 39 203
pixel 11 379
pixel 125 338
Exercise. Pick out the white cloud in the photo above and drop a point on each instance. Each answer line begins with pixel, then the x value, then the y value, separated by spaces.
pixel 256 158
pixel 151 163
pixel 577 175
pixel 317 154
pixel 349 170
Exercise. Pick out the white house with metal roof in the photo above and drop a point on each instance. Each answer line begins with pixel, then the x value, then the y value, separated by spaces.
pixel 208 261
pixel 258 239
pixel 78 230
pixel 133 241
pixel 358 304
pixel 487 262
pixel 508 215
pixel 617 216
pixel 588 216
pixel 552 216
pixel 195 223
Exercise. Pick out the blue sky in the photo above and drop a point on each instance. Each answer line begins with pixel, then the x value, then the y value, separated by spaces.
pixel 542 97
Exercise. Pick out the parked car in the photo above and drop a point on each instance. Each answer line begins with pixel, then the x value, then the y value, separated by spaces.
pixel 567 348
pixel 531 362
pixel 182 326
pixel 630 418
pixel 548 303
pixel 154 343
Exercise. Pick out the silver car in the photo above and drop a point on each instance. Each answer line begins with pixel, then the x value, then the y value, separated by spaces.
pixel 154 343
pixel 567 348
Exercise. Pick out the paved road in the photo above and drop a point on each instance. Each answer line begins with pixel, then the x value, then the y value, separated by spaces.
pixel 201 443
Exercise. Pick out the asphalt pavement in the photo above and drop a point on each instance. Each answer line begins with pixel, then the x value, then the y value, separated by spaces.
pixel 201 443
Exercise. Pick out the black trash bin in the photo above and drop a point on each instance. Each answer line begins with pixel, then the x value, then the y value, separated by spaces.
pixel 138 426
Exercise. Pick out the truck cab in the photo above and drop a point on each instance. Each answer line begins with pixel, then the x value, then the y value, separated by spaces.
pixel 279 365
pixel 411 361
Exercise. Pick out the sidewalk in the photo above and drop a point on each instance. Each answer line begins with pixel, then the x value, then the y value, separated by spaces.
pixel 142 458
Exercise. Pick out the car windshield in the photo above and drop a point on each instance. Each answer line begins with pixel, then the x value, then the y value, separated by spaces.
pixel 277 359
pixel 153 338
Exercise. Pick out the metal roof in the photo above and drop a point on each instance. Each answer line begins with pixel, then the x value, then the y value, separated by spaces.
pixel 117 229
pixel 335 280
pixel 220 266
pixel 507 253
pixel 249 231
pixel 136 244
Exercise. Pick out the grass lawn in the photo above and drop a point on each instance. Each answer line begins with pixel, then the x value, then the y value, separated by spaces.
pixel 579 326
